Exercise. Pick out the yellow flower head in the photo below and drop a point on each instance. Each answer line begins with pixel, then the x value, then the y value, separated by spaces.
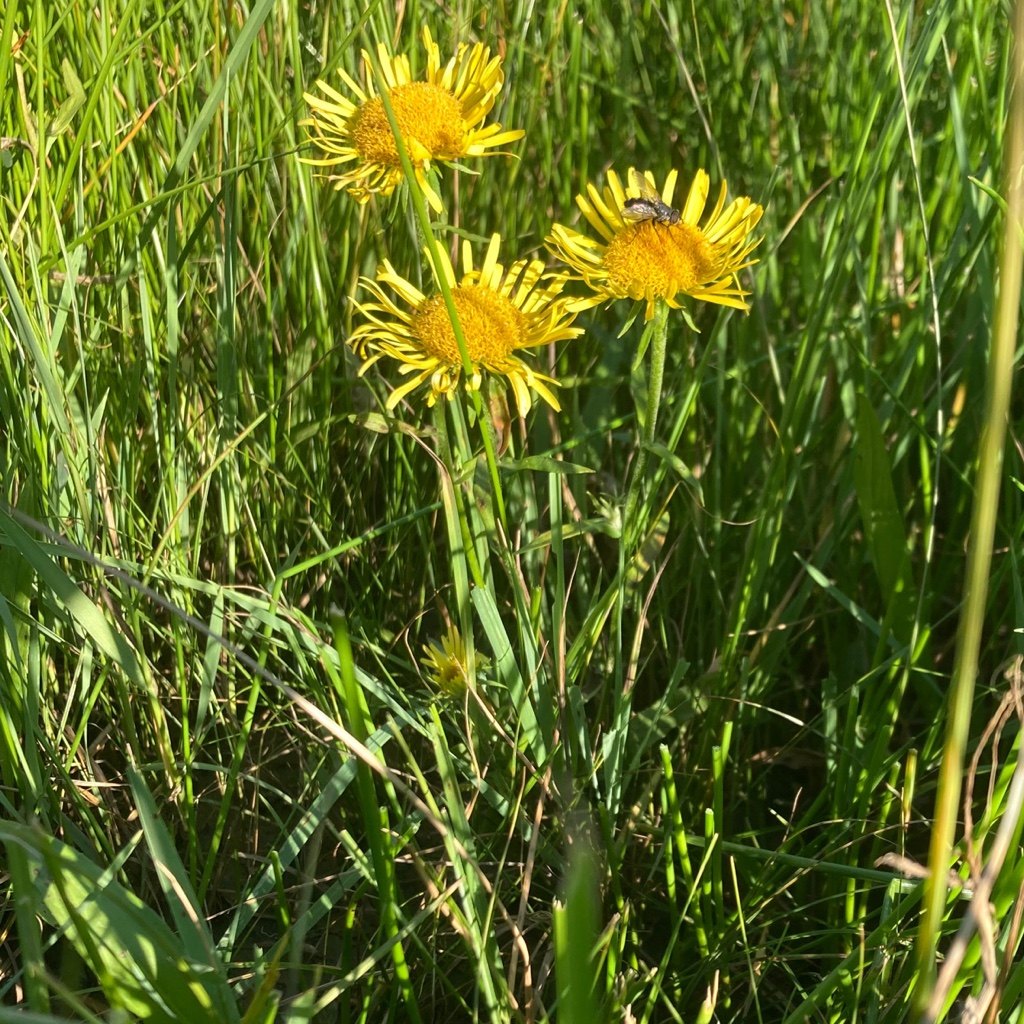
pixel 447 666
pixel 499 313
pixel 651 251
pixel 439 119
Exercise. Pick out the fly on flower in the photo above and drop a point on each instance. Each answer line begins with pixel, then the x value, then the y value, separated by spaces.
pixel 647 249
pixel 648 205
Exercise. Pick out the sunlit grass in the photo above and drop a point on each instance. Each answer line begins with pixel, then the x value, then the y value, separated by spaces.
pixel 707 627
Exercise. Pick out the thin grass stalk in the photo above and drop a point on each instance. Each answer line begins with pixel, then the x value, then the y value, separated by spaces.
pixel 375 818
pixel 220 829
pixel 477 908
pixel 718 765
pixel 982 534
pixel 6 51
pixel 557 604
pixel 28 929
pixel 676 833
pixel 710 866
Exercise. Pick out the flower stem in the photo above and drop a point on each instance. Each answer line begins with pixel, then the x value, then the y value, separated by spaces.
pixel 460 537
pixel 659 336
pixel 420 205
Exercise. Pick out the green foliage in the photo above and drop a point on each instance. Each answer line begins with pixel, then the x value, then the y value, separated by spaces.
pixel 149 972
pixel 217 802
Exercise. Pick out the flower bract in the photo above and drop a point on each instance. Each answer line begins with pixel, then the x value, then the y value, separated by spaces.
pixel 439 118
pixel 648 250
pixel 500 313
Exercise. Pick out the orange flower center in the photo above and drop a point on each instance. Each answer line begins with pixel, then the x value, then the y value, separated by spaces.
pixel 492 326
pixel 429 118
pixel 661 258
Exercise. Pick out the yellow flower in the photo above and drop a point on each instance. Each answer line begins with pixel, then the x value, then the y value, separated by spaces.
pixel 447 665
pixel 650 251
pixel 439 119
pixel 499 313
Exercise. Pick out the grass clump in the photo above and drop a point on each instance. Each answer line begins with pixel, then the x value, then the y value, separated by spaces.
pixel 406 614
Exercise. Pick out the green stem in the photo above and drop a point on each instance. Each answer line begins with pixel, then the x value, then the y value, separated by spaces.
pixel 460 537
pixel 630 530
pixel 420 206
pixel 981 539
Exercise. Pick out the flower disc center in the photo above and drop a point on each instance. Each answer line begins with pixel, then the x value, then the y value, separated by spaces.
pixel 427 114
pixel 661 258
pixel 492 326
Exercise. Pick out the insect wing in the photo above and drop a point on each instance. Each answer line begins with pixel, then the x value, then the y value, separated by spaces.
pixel 638 183
pixel 649 205
pixel 636 210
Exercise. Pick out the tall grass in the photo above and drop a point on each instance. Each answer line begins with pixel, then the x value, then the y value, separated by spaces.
pixel 230 791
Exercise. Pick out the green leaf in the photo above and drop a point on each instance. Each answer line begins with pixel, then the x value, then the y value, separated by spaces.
pixel 544 464
pixel 139 961
pixel 883 526
pixel 72 104
pixel 576 922
pixel 196 939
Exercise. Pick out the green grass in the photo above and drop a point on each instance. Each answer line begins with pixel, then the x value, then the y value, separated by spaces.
pixel 228 789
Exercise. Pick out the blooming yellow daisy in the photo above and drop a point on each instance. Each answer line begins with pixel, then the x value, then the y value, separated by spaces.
pixel 651 251
pixel 439 119
pixel 447 666
pixel 499 313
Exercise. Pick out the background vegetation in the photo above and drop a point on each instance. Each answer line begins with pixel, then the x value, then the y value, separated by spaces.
pixel 678 772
